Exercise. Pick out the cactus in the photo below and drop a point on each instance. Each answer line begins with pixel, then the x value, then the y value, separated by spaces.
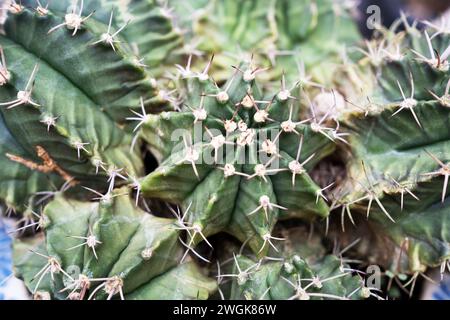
pixel 397 169
pixel 285 34
pixel 108 249
pixel 64 100
pixel 238 151
pixel 150 33
pixel 300 259
pixel 244 157
pixel 294 279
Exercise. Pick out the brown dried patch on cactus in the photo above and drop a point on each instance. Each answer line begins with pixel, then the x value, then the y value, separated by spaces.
pixel 48 165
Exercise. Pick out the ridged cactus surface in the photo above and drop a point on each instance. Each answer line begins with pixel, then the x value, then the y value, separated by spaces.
pixel 286 34
pixel 146 27
pixel 135 134
pixel 236 158
pixel 63 106
pixel 298 269
pixel 398 169
pixel 109 250
pixel 294 279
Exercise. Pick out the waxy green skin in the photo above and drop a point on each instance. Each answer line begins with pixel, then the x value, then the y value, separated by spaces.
pixel 88 89
pixel 394 147
pixel 217 203
pixel 124 232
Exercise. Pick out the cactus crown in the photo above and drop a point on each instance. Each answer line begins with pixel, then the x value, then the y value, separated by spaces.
pixel 236 158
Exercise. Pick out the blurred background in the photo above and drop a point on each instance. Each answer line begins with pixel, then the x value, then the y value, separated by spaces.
pixel 390 10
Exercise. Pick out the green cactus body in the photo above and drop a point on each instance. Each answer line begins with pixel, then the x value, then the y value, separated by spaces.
pixel 299 259
pixel 293 279
pixel 282 33
pixel 222 171
pixel 150 32
pixel 109 249
pixel 402 140
pixel 79 108
pixel 72 124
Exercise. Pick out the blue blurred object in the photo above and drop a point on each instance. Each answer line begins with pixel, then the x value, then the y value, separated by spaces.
pixel 5 256
pixel 442 292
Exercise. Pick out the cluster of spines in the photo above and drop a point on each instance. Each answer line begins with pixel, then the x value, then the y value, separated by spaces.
pixel 240 133
pixel 376 55
pixel 73 21
pixel 291 278
pixel 87 284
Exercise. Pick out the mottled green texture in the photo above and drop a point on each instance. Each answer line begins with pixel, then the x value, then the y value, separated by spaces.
pixel 125 234
pixel 394 147
pixel 224 203
pixel 88 89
